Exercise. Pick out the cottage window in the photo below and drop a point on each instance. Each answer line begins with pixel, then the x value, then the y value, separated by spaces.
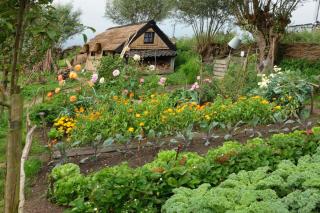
pixel 93 53
pixel 149 38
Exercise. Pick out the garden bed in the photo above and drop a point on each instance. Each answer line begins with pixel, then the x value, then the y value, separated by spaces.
pixel 37 196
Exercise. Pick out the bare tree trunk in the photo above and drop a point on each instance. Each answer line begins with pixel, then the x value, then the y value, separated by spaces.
pixel 15 121
pixel 268 48
pixel 14 154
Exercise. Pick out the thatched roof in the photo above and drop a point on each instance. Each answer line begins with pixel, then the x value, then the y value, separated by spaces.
pixel 114 37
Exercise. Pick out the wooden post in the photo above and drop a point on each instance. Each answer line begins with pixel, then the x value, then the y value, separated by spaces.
pixel 24 157
pixel 312 100
pixel 14 154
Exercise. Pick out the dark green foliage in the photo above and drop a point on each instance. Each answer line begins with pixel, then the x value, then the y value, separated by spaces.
pixel 288 188
pixel 122 188
pixel 303 66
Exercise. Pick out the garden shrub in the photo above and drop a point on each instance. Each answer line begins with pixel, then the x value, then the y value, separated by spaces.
pixel 122 188
pixel 110 63
pixel 191 69
pixel 287 89
pixel 288 188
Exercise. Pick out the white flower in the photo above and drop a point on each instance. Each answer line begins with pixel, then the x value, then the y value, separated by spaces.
pixel 198 77
pixel 276 68
pixel 136 57
pixel 116 73
pixel 152 67
pixel 264 82
pixel 102 80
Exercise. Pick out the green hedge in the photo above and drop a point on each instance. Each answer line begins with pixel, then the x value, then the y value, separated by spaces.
pixel 145 189
pixel 289 188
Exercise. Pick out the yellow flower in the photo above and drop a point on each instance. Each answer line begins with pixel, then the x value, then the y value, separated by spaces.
pixel 242 98
pixel 170 110
pixel 207 117
pixel 145 112
pixel 265 102
pixel 289 98
pixel 130 110
pixel 131 129
pixel 138 115
pixel 115 98
pixel 141 124
pixel 277 107
pixel 256 97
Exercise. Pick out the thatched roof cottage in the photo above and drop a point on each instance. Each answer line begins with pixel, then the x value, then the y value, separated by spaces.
pixel 144 39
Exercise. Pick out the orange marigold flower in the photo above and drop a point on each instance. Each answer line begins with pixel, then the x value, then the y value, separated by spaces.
pixel 77 68
pixel 73 75
pixel 73 98
pixel 50 94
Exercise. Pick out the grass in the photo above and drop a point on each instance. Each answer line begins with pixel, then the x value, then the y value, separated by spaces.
pixel 3 134
pixel 312 37
pixel 33 89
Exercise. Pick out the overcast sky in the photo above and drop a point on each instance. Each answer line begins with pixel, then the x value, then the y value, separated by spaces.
pixel 93 16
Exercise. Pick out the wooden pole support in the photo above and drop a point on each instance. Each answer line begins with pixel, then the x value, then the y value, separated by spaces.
pixel 14 154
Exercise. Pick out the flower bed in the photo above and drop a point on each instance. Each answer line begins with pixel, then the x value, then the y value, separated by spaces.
pixel 145 189
pixel 166 115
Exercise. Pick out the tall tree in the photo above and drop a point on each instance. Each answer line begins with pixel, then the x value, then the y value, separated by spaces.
pixel 135 11
pixel 267 21
pixel 48 28
pixel 206 17
pixel 25 22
